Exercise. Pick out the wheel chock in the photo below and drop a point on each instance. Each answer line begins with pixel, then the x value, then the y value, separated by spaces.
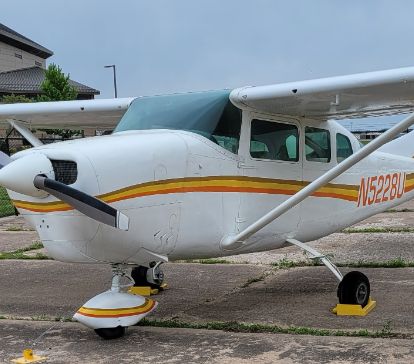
pixel 147 290
pixel 354 310
pixel 29 357
pixel 142 291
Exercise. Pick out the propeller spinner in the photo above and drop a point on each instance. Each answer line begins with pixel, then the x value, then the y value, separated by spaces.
pixel 33 175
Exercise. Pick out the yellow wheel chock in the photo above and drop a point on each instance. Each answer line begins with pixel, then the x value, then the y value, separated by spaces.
pixel 354 310
pixel 146 290
pixel 29 357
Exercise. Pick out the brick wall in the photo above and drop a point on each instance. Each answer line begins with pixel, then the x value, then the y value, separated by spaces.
pixel 10 58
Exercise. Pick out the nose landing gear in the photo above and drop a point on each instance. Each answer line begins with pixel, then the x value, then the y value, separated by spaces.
pixel 111 312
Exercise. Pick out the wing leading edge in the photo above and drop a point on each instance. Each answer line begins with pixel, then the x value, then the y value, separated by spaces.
pixel 354 96
pixel 98 114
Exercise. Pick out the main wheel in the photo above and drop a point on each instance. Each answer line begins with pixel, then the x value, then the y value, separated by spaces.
pixel 354 289
pixel 144 276
pixel 110 333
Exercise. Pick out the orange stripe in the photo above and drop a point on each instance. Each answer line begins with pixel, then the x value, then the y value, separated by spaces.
pixel 334 195
pixel 282 187
pixel 103 315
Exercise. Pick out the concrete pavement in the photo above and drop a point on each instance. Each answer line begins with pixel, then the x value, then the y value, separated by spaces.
pixel 34 293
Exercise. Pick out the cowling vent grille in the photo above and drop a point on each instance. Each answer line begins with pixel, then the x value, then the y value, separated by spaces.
pixel 65 171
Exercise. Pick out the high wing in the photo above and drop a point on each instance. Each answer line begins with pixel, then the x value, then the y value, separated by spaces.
pixel 78 114
pixel 354 96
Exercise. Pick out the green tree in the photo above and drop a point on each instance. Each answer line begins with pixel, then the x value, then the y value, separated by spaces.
pixel 14 99
pixel 56 86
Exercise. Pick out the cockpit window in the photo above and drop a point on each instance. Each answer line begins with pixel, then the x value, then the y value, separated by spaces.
pixel 210 114
pixel 317 145
pixel 273 140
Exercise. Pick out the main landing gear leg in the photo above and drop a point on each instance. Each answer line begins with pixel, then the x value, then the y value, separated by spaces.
pixel 353 288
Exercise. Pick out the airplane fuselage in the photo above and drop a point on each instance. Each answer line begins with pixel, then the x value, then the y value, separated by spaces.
pixel 184 193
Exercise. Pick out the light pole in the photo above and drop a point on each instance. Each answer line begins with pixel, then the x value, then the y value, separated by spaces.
pixel 114 69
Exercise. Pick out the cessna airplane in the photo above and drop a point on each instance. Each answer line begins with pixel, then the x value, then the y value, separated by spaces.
pixel 208 174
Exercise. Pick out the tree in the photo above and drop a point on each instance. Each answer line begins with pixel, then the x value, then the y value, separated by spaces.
pixel 14 99
pixel 56 86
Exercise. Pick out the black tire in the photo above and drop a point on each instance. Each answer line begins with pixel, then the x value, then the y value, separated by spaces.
pixel 139 275
pixel 354 289
pixel 110 333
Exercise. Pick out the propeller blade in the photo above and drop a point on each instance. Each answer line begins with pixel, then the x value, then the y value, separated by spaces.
pixel 88 205
pixel 4 159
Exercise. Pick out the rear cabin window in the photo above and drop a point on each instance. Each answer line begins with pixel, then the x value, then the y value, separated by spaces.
pixel 275 141
pixel 317 145
pixel 343 147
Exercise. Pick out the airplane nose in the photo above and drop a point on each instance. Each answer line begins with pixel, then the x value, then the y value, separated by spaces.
pixel 19 175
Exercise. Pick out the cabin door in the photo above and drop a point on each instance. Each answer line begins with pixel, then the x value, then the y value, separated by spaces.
pixel 272 172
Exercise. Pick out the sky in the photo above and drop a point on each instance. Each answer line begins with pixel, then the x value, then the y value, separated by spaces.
pixel 164 46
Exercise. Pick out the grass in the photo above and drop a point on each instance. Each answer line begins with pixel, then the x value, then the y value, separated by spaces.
pixel 14 228
pixel 242 327
pixel 209 261
pixel 379 230
pixel 213 261
pixel 403 210
pixel 6 207
pixel 254 280
pixel 17 228
pixel 393 263
pixel 20 253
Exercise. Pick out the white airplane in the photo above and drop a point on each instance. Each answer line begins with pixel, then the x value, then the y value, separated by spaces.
pixel 208 174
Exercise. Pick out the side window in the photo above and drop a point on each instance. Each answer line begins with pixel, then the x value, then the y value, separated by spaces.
pixel 317 145
pixel 343 147
pixel 275 141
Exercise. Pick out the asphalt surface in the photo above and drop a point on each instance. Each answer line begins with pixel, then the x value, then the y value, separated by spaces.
pixel 71 343
pixel 35 293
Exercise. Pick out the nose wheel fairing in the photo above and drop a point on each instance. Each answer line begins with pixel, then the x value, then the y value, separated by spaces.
pixel 112 309
pixel 110 312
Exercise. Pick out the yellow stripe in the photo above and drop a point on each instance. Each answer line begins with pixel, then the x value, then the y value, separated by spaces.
pixel 130 311
pixel 203 184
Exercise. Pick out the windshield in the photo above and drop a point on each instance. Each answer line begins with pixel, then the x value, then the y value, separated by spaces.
pixel 209 114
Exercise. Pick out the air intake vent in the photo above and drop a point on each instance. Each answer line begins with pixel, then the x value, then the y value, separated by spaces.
pixel 65 171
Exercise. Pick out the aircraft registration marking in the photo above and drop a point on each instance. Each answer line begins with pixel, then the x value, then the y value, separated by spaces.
pixel 382 188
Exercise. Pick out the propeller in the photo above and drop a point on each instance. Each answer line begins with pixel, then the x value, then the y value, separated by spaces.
pixel 32 175
pixel 87 204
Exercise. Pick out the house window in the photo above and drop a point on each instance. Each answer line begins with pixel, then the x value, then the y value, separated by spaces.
pixel 17 55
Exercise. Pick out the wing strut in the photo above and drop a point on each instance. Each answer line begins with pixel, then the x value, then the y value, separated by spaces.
pixel 234 241
pixel 25 133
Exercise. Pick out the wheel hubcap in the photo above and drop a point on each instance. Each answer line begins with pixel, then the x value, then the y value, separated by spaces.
pixel 361 293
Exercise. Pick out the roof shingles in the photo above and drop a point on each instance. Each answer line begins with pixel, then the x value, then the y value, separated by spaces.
pixel 28 80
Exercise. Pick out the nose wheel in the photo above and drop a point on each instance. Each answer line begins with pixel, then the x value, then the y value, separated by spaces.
pixel 110 333
pixel 354 289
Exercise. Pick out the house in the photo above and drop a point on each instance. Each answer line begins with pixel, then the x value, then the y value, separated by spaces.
pixel 23 64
